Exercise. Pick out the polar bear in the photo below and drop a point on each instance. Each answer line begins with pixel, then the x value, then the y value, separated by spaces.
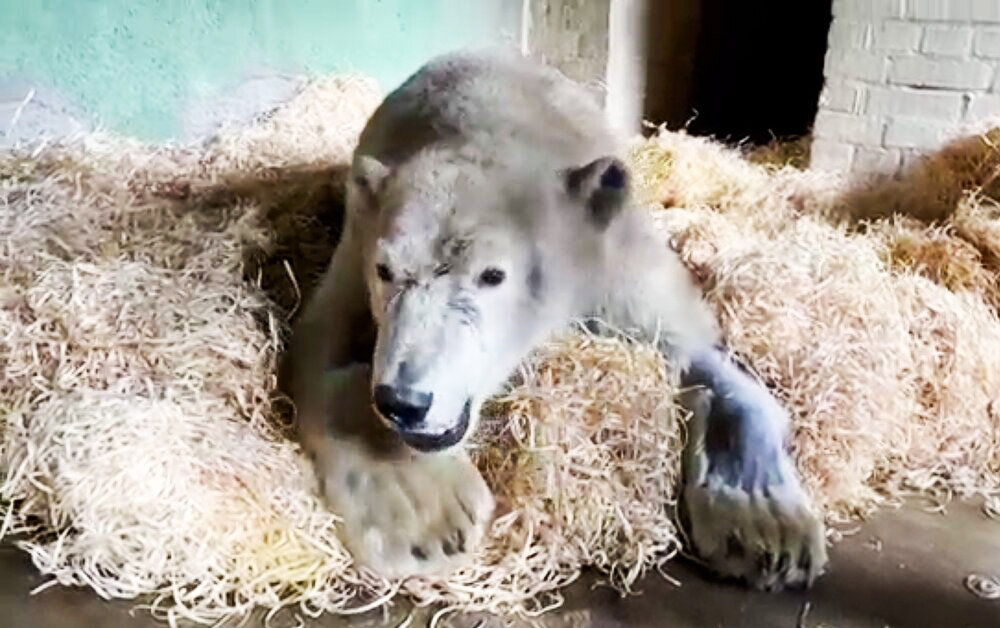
pixel 487 208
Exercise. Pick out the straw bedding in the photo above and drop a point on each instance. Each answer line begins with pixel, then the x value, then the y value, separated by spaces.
pixel 145 294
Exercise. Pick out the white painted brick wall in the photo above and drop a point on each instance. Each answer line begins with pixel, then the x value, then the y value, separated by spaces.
pixel 830 151
pixel 867 9
pixel 987 43
pixel 984 106
pixel 901 76
pixel 856 64
pixel 896 35
pixel 845 127
pixel 849 35
pixel 885 102
pixel 866 159
pixel 953 10
pixel 913 133
pixel 926 71
pixel 844 96
pixel 947 40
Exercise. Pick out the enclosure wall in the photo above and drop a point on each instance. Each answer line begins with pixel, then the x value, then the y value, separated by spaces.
pixel 901 76
pixel 160 70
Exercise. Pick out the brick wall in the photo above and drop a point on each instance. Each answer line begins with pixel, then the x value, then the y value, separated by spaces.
pixel 901 76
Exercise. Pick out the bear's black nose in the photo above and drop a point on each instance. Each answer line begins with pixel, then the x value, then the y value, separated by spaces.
pixel 405 407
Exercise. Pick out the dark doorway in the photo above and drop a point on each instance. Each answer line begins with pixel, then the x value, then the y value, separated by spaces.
pixel 737 70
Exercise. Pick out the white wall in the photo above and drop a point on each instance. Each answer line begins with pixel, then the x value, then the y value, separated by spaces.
pixel 901 76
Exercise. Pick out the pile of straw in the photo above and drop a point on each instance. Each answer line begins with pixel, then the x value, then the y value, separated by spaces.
pixel 145 294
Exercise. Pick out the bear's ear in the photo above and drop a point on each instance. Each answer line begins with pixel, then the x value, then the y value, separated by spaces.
pixel 602 185
pixel 369 175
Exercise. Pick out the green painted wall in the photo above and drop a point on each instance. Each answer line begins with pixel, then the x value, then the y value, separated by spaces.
pixel 136 64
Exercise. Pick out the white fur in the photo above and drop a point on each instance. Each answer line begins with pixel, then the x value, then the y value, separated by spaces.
pixel 464 168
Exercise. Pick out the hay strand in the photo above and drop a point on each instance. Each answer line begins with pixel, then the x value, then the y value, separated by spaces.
pixel 145 293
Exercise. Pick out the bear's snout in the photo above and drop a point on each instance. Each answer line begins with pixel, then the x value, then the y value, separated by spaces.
pixel 404 407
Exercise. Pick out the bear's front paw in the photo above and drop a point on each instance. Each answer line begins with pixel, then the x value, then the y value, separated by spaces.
pixel 747 515
pixel 418 515
pixel 768 538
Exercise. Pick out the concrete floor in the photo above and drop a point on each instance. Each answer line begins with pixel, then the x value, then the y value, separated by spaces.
pixel 903 569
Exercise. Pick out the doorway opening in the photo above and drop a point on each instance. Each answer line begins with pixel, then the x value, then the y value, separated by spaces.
pixel 741 72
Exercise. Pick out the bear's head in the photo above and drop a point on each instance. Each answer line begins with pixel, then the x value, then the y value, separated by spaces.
pixel 469 264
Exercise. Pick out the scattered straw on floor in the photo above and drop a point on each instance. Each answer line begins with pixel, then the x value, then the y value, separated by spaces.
pixel 144 296
pixel 986 587
pixel 991 507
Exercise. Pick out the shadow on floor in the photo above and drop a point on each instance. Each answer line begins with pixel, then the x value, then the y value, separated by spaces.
pixel 903 569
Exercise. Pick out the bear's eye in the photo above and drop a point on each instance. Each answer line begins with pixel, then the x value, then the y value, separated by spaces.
pixel 383 272
pixel 492 277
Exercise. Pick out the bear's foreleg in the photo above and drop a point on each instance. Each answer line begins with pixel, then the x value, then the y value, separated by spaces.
pixel 746 512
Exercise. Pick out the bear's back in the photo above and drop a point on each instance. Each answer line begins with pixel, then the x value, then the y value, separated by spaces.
pixel 500 106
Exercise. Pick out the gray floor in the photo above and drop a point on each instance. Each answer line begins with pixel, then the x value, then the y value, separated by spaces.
pixel 903 569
